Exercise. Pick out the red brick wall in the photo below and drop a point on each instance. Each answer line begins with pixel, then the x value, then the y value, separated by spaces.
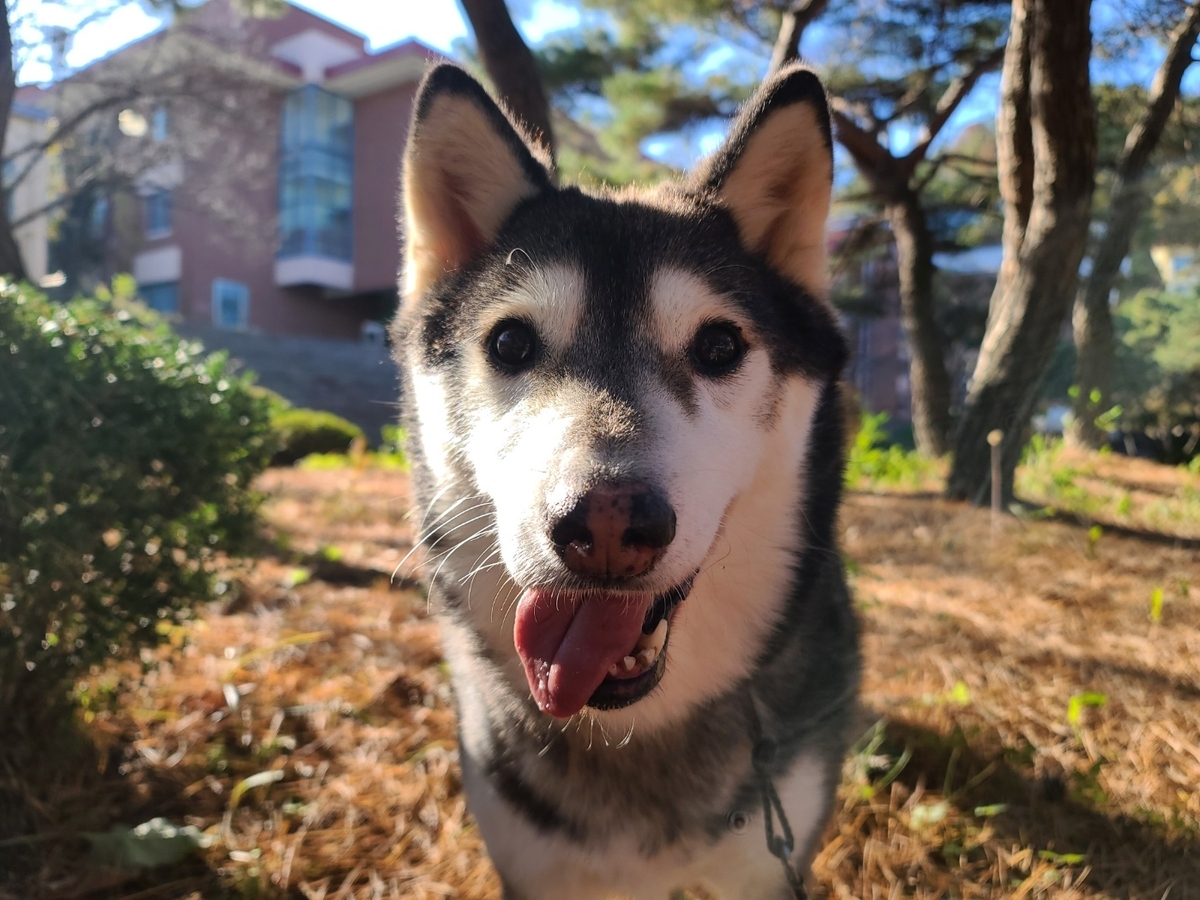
pixel 380 128
pixel 225 222
pixel 225 214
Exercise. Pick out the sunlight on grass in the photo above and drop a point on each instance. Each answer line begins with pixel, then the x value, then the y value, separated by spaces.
pixel 874 464
pixel 1110 489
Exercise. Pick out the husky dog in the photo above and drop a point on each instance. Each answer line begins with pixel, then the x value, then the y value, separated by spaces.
pixel 625 431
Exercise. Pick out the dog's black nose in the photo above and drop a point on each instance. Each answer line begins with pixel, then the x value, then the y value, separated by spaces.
pixel 615 530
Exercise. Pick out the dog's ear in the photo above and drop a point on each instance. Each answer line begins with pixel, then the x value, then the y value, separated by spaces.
pixel 467 167
pixel 775 175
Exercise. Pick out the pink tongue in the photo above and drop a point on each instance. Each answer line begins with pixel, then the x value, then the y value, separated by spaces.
pixel 567 644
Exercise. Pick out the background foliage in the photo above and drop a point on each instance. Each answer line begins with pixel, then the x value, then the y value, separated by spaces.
pixel 300 432
pixel 126 457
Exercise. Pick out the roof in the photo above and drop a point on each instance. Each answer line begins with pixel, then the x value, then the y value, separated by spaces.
pixel 397 64
pixel 354 72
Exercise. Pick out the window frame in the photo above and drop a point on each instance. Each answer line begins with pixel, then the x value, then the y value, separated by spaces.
pixel 316 176
pixel 151 232
pixel 218 286
pixel 142 288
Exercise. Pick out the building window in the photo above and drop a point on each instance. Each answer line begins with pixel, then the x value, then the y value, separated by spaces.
pixel 8 173
pixel 316 175
pixel 158 214
pixel 230 304
pixel 98 220
pixel 158 126
pixel 163 297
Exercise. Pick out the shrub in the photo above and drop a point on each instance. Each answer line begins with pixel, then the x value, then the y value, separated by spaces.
pixel 1157 373
pixel 126 457
pixel 874 461
pixel 299 432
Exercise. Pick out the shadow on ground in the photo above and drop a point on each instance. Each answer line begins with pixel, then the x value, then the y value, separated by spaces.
pixel 1127 857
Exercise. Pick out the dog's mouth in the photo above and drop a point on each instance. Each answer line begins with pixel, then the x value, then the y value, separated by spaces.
pixel 603 649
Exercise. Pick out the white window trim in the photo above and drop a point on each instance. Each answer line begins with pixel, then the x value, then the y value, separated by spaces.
pixel 244 313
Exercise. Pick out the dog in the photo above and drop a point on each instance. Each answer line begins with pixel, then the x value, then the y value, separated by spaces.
pixel 625 432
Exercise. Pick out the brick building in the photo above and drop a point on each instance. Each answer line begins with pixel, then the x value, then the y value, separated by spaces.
pixel 285 223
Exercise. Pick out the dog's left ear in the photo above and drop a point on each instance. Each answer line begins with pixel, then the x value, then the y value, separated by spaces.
pixel 467 167
pixel 775 175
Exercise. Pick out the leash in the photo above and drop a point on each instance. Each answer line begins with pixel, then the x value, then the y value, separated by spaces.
pixel 781 846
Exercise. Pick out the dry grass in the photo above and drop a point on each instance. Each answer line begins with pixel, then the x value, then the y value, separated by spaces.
pixel 982 780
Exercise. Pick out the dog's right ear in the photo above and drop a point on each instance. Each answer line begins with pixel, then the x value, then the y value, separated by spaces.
pixel 466 169
pixel 775 175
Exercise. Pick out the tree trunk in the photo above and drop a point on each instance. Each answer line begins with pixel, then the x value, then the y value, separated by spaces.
pixel 1092 319
pixel 796 18
pixel 1038 282
pixel 10 254
pixel 511 66
pixel 1092 322
pixel 928 380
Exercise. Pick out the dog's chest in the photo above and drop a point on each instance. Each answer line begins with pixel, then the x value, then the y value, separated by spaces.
pixel 735 865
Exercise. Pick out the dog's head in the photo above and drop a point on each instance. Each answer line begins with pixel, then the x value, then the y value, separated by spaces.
pixel 619 387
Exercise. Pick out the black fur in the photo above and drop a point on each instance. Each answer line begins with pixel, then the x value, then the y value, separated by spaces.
pixel 661 789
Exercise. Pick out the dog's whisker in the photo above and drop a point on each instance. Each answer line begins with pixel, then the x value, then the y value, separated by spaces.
pixel 628 735
pixel 430 534
pixel 446 556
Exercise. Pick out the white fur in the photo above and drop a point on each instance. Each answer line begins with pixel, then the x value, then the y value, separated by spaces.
pixel 731 465
pixel 737 867
pixel 736 486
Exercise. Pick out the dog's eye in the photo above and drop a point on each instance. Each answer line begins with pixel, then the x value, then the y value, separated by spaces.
pixel 512 345
pixel 717 348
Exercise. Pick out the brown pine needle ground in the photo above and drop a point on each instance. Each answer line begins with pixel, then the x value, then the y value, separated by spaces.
pixel 1029 729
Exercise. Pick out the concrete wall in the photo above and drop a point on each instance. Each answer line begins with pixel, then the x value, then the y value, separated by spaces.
pixel 355 380
pixel 32 193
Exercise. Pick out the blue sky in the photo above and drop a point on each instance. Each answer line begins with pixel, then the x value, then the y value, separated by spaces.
pixel 436 22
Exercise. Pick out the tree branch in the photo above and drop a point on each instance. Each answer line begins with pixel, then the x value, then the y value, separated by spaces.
pixel 869 155
pixel 796 18
pixel 1164 91
pixel 511 66
pixel 953 97
pixel 64 128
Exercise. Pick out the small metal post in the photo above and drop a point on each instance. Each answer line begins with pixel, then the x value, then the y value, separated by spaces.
pixel 994 438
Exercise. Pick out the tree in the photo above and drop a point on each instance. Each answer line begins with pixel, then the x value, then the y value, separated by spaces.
pixel 796 18
pixel 951 46
pixel 10 254
pixel 1046 131
pixel 511 67
pixel 1129 198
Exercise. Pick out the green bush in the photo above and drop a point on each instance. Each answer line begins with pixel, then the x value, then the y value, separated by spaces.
pixel 1156 382
pixel 299 432
pixel 874 461
pixel 126 457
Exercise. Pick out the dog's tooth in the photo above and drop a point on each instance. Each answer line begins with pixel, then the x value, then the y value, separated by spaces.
pixel 614 669
pixel 646 657
pixel 658 637
pixel 629 662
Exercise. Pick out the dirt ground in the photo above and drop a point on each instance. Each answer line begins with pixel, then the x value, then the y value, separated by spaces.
pixel 1030 727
